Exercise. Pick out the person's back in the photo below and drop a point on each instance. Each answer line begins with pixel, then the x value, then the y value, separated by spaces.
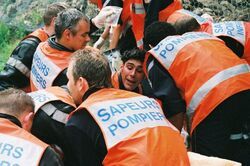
pixel 235 34
pixel 16 72
pixel 113 126
pixel 19 147
pixel 215 85
pixel 52 107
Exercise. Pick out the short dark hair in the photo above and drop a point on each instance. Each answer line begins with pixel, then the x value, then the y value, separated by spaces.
pixel 15 101
pixel 68 19
pixel 52 10
pixel 156 32
pixel 135 53
pixel 187 24
pixel 93 66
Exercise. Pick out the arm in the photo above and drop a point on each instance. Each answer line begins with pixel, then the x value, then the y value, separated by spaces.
pixel 50 158
pixel 17 69
pixel 85 144
pixel 165 89
pixel 116 36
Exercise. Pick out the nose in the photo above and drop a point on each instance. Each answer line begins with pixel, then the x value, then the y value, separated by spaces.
pixel 87 38
pixel 133 72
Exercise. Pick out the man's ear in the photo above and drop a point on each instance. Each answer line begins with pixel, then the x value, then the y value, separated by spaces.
pixel 67 34
pixel 27 121
pixel 82 85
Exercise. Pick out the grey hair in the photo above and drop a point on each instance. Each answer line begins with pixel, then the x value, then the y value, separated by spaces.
pixel 68 19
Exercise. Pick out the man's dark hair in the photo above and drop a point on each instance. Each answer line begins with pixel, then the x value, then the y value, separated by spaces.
pixel 187 24
pixel 156 32
pixel 68 19
pixel 52 10
pixel 135 53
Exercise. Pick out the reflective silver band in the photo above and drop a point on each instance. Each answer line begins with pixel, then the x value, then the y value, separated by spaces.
pixel 139 43
pixel 57 115
pixel 139 8
pixel 201 93
pixel 19 66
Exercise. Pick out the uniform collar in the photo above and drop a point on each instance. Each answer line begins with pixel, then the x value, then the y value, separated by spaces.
pixel 11 118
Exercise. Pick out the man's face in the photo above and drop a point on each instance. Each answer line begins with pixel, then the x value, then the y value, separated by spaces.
pixel 132 74
pixel 81 38
pixel 73 86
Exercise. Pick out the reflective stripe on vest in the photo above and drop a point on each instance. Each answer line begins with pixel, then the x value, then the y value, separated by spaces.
pixel 54 113
pixel 138 8
pixel 213 82
pixel 43 97
pixel 139 43
pixel 202 66
pixel 167 50
pixel 19 66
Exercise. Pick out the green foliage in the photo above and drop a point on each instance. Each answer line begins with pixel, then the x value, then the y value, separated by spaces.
pixel 8 41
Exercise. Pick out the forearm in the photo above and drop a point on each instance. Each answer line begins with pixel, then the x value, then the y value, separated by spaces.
pixel 115 37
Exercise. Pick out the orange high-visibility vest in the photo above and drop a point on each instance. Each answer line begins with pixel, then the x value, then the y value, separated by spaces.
pixel 115 82
pixel 133 127
pixel 238 30
pixel 49 94
pixel 47 64
pixel 138 14
pixel 207 75
pixel 19 147
pixel 165 13
pixel 40 34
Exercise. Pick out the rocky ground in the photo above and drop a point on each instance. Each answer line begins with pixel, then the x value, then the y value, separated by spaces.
pixel 28 12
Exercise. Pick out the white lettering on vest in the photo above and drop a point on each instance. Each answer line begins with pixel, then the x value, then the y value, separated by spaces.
pixel 17 151
pixel 43 70
pixel 168 48
pixel 42 97
pixel 234 29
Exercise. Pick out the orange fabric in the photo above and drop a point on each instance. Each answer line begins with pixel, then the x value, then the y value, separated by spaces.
pixel 153 146
pixel 62 95
pixel 11 129
pixel 246 54
pixel 59 58
pixel 115 82
pixel 99 4
pixel 39 33
pixel 138 22
pixel 142 147
pixel 191 70
pixel 164 14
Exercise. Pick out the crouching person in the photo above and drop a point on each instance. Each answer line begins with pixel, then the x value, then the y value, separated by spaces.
pixel 113 126
pixel 18 146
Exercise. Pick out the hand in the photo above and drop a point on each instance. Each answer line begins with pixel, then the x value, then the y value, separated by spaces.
pixel 109 15
pixel 98 44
